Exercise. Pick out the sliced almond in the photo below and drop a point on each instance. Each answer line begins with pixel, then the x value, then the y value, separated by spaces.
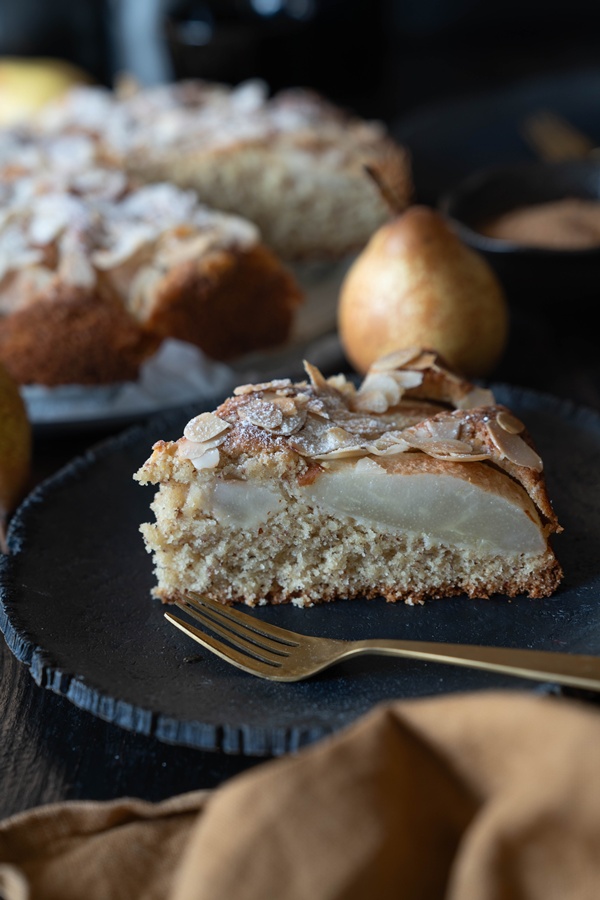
pixel 292 424
pixel 407 378
pixel 317 379
pixel 204 427
pixel 474 398
pixel 287 405
pixel 208 460
pixel 262 413
pixel 357 424
pixel 440 448
pixel 371 401
pixel 381 383
pixel 385 447
pixel 317 408
pixel 426 360
pixel 194 449
pixel 457 457
pixel 187 449
pixel 509 422
pixel 514 448
pixel 352 452
pixel 446 428
pixel 396 360
pixel 341 383
pixel 275 385
pixel 337 435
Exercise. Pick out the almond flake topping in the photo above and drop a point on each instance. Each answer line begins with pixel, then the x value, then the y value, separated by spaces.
pixel 343 453
pixel 193 450
pixel 397 359
pixel 377 393
pixel 317 408
pixel 341 383
pixel 446 428
pixel 408 378
pixel 476 397
pixel 277 384
pixel 262 413
pixel 293 410
pixel 337 435
pixel 356 424
pixel 319 437
pixel 509 422
pixel 208 460
pixel 287 405
pixel 514 448
pixel 371 401
pixel 327 419
pixel 204 427
pixel 426 360
pixel 317 379
pixel 389 444
pixel 436 448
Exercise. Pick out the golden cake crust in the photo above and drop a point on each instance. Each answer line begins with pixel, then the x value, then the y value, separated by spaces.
pixel 226 304
pixel 73 335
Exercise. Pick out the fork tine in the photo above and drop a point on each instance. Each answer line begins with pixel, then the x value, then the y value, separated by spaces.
pixel 250 664
pixel 243 640
pixel 265 630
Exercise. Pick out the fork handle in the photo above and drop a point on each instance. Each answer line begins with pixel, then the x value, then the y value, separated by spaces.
pixel 574 670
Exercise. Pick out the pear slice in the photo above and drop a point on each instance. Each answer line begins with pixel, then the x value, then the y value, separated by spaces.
pixel 469 505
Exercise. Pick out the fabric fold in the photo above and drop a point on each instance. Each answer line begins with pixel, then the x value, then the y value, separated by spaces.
pixel 489 795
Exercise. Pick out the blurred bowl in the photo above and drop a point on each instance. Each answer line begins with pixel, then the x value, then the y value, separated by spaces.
pixel 537 277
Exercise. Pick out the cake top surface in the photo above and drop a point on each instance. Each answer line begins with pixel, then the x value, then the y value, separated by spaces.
pixel 207 115
pixel 77 220
pixel 409 402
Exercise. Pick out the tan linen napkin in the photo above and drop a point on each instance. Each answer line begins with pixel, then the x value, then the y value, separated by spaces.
pixel 483 796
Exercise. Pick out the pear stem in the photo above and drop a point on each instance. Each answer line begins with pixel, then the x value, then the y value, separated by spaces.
pixel 396 203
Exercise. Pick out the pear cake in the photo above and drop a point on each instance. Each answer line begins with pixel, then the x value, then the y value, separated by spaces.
pixel 413 486
pixel 292 162
pixel 95 272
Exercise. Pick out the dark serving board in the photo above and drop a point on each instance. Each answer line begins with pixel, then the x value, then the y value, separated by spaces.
pixel 75 605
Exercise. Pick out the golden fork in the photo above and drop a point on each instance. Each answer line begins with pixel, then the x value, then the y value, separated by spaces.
pixel 280 655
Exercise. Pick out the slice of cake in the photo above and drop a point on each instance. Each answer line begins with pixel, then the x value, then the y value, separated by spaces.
pixel 416 485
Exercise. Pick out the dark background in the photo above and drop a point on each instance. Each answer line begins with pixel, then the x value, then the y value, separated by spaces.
pixel 383 58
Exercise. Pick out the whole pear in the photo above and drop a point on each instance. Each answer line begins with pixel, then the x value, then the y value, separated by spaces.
pixel 417 284
pixel 15 450
pixel 28 83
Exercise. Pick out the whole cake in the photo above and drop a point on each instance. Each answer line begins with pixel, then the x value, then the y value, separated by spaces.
pixel 292 163
pixel 415 485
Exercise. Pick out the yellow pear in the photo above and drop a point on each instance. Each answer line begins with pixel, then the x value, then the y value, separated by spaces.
pixel 417 284
pixel 26 84
pixel 15 450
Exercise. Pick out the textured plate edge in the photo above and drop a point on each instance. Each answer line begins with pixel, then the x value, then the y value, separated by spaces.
pixel 227 738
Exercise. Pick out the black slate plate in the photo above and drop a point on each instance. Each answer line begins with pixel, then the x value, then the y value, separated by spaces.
pixel 75 606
